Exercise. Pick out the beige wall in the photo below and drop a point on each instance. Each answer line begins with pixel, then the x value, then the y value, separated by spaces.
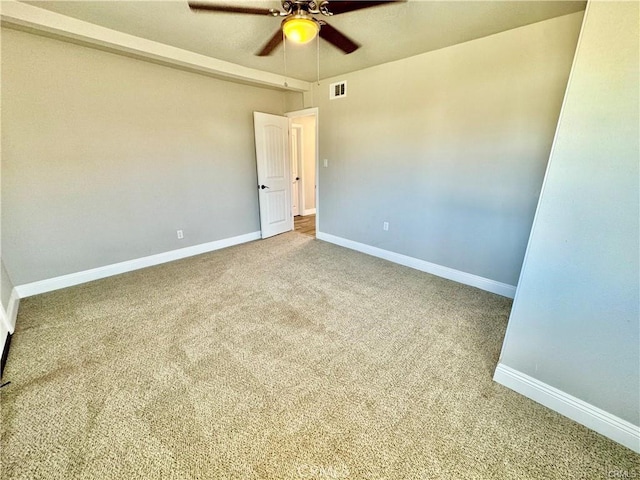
pixel 574 323
pixel 449 147
pixel 293 101
pixel 104 157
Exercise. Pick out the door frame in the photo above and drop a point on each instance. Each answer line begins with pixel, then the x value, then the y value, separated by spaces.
pixel 311 112
pixel 295 127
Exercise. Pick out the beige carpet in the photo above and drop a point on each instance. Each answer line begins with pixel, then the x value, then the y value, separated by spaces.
pixel 283 358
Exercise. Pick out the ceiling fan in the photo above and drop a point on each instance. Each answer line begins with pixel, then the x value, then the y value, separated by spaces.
pixel 299 24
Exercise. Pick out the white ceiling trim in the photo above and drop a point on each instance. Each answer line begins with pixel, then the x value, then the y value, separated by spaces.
pixel 23 16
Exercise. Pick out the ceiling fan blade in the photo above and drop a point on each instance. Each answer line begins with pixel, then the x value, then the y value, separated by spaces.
pixel 208 7
pixel 337 38
pixel 271 44
pixel 344 6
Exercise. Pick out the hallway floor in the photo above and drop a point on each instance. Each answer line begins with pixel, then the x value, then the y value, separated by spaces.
pixel 305 225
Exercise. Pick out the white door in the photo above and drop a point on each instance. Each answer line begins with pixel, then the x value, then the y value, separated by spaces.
pixel 295 168
pixel 274 182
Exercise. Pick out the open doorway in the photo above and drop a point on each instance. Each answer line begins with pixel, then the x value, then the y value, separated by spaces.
pixel 304 169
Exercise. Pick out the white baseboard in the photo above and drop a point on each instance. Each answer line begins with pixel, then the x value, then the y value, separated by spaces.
pixel 4 319
pixel 609 425
pixel 77 278
pixel 3 337
pixel 4 328
pixel 12 312
pixel 309 211
pixel 449 273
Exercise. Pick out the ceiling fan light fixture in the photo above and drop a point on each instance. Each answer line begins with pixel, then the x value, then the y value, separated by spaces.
pixel 300 28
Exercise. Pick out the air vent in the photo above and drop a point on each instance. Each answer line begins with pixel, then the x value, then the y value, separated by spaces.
pixel 337 90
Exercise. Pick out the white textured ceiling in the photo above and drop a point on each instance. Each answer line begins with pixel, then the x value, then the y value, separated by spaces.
pixel 386 33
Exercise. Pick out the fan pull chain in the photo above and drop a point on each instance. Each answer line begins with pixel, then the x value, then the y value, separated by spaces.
pixel 284 49
pixel 318 57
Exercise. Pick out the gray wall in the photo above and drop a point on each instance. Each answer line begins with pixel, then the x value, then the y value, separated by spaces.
pixel 449 147
pixel 575 319
pixel 105 157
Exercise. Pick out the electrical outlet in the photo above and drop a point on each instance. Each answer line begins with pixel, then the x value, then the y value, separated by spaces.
pixel 326 162
pixel 385 226
pixel 180 234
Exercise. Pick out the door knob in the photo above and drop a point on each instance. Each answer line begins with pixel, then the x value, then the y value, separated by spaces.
pixel 263 187
pixel 297 178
